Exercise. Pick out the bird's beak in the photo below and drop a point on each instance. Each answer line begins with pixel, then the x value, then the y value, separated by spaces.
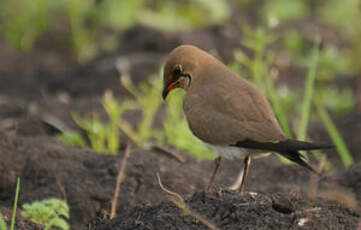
pixel 165 93
pixel 167 89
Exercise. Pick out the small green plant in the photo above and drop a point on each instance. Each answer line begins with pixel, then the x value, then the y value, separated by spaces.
pixel 147 99
pixel 72 138
pixel 96 131
pixel 114 111
pixel 47 213
pixel 103 136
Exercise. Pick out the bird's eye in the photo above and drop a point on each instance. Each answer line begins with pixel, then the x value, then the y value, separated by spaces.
pixel 177 71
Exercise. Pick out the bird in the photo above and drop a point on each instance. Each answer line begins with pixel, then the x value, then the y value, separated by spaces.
pixel 227 112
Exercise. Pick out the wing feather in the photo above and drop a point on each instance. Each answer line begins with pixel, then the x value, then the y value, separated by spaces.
pixel 225 112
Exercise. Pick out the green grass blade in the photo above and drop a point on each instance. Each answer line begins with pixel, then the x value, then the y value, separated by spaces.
pixel 337 139
pixel 280 113
pixel 12 226
pixel 2 223
pixel 309 88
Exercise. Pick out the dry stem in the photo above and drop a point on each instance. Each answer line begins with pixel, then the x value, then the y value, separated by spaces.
pixel 120 179
pixel 179 202
pixel 171 153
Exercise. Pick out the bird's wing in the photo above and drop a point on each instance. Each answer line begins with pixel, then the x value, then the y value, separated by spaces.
pixel 226 112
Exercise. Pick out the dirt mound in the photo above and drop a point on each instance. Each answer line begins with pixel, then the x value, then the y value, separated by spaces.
pixel 229 210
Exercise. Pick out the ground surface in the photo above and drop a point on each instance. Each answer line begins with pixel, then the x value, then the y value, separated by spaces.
pixel 45 85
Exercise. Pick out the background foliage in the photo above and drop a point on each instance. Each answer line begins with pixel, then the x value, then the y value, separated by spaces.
pixel 281 34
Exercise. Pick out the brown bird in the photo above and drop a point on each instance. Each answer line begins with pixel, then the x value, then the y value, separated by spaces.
pixel 226 111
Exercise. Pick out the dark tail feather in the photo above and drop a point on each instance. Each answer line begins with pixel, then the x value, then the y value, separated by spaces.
pixel 283 146
pixel 299 159
pixel 287 148
pixel 304 145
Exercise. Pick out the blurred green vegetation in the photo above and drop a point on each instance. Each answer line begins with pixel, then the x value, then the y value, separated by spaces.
pixel 147 100
pixel 104 136
pixel 280 11
pixel 84 22
pixel 282 35
pixel 258 68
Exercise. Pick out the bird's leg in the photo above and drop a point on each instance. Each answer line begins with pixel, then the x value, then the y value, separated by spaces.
pixel 235 186
pixel 247 162
pixel 217 162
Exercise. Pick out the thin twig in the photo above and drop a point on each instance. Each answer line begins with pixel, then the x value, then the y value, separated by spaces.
pixel 120 179
pixel 179 202
pixel 55 122
pixel 61 188
pixel 169 152
pixel 168 192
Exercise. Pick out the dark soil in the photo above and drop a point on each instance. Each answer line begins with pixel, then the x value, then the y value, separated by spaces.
pixel 86 180
pixel 41 87
pixel 229 210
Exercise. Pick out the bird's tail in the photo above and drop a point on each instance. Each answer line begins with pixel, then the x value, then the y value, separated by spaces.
pixel 288 148
pixel 302 145
pixel 299 159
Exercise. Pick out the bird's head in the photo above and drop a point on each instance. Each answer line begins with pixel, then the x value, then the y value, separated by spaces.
pixel 181 68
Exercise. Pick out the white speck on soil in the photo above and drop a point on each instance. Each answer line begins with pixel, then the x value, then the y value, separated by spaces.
pixel 302 222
